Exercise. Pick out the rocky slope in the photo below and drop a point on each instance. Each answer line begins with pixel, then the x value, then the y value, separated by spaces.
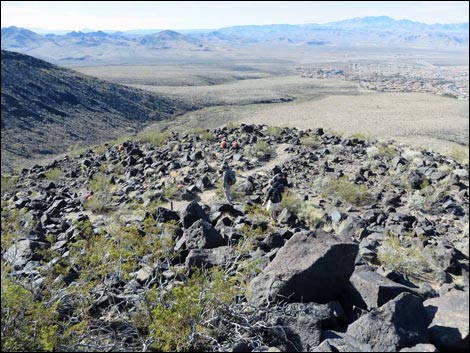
pixel 47 109
pixel 369 253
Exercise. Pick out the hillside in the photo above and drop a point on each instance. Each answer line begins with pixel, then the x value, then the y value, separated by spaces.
pixel 47 109
pixel 369 251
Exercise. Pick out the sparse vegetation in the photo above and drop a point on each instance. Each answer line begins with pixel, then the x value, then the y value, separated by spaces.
pixel 427 199
pixel 156 137
pixel 310 141
pixel 170 190
pixel 405 259
pixel 388 152
pixel 346 191
pixel 233 125
pixel 180 319
pixel 460 155
pixel 274 131
pixel 360 136
pixel 310 213
pixel 204 134
pixel 54 174
pixel 102 190
pixel 8 182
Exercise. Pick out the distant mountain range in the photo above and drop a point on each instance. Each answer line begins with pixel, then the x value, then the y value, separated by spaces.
pixel 47 109
pixel 106 47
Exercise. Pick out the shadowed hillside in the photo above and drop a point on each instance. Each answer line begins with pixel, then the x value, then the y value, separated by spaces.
pixel 46 109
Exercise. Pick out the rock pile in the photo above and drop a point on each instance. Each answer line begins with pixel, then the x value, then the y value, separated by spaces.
pixel 369 253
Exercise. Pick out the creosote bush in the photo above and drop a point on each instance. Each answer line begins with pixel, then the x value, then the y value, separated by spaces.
pixel 102 190
pixel 181 321
pixel 310 213
pixel 409 260
pixel 346 191
pixel 27 324
pixel 54 174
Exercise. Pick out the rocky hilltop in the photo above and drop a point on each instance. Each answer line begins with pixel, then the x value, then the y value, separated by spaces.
pixel 47 109
pixel 132 247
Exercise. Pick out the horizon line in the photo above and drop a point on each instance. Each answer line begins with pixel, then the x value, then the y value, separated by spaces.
pixel 33 29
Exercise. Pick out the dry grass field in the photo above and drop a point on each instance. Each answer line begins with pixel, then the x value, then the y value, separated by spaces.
pixel 266 89
pixel 423 120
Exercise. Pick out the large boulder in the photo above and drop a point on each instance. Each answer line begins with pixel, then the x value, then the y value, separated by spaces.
pixel 23 251
pixel 311 267
pixel 207 258
pixel 162 214
pixel 297 327
pixel 372 290
pixel 400 323
pixel 192 213
pixel 202 235
pixel 449 321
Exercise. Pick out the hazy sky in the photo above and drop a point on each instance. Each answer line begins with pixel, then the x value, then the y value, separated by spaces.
pixel 125 15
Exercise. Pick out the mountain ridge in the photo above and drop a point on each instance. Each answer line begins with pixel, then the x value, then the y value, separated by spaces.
pixel 107 47
pixel 46 108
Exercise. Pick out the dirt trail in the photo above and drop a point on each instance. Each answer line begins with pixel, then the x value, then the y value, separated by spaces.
pixel 210 196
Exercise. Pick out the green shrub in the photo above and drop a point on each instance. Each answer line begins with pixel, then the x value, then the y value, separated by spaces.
pixel 262 147
pixel 179 320
pixel 27 325
pixel 12 229
pixel 310 213
pixel 387 152
pixel 251 235
pixel 8 182
pixel 156 137
pixel 405 259
pixel 274 131
pixel 102 190
pixel 291 201
pixel 54 174
pixel 257 212
pixel 347 191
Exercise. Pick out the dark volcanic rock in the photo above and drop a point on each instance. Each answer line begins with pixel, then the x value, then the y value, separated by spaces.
pixel 164 215
pixel 449 327
pixel 207 258
pixel 202 235
pixel 23 251
pixel 397 324
pixel 192 213
pixel 373 289
pixel 309 268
